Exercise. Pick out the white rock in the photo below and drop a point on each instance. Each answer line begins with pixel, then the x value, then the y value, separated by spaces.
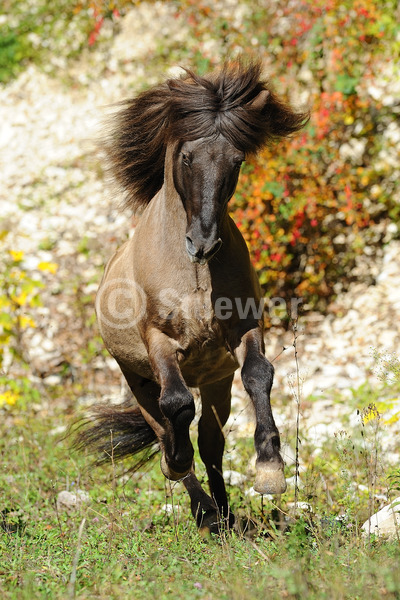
pixel 252 493
pixel 318 434
pixel 234 477
pixel 53 380
pixel 170 508
pixel 375 92
pixel 353 150
pixel 58 430
pixel 141 31
pixel 291 481
pixel 304 506
pixel 386 522
pixel 70 501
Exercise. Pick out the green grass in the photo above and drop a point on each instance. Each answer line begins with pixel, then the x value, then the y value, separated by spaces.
pixel 131 548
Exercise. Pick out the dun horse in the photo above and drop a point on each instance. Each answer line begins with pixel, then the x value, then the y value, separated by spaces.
pixel 178 306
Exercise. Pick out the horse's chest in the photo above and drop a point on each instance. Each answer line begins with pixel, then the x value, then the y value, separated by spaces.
pixel 192 317
pixel 204 356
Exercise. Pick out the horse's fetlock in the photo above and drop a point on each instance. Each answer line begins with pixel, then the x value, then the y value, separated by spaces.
pixel 267 444
pixel 267 436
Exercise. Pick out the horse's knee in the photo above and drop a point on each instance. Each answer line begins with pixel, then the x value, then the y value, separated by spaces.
pixel 178 406
pixel 179 410
pixel 257 374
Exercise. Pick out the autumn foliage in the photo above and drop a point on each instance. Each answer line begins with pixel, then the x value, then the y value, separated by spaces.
pixel 314 207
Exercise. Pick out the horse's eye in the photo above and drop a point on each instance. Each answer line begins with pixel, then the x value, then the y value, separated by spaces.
pixel 186 159
pixel 238 160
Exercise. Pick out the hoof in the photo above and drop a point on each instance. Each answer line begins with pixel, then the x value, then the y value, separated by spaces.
pixel 209 522
pixel 270 479
pixel 170 473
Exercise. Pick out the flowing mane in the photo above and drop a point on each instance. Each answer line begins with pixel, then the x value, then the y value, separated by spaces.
pixel 189 108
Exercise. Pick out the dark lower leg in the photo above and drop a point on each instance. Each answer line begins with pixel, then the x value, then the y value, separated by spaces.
pixel 177 406
pixel 172 429
pixel 257 377
pixel 203 508
pixel 175 403
pixel 216 403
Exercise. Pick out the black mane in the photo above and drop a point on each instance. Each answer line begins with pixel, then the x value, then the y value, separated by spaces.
pixel 190 108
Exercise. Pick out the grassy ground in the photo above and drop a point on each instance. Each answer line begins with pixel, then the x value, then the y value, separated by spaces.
pixel 136 538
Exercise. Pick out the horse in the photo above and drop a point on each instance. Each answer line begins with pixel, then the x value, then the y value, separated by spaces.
pixel 179 303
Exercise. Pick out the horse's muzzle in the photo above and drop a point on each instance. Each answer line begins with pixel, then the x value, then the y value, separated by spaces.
pixel 201 255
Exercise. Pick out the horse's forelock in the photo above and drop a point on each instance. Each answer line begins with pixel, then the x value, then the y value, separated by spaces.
pixel 202 106
pixel 223 103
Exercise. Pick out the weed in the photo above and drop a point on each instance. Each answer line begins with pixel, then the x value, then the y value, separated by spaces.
pixel 19 296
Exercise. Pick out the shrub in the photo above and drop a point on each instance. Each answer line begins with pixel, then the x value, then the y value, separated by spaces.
pixel 317 206
pixel 19 296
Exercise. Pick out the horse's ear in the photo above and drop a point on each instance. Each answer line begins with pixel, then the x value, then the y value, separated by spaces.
pixel 172 84
pixel 260 100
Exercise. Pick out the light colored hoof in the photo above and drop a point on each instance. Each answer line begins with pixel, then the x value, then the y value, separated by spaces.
pixel 270 479
pixel 169 473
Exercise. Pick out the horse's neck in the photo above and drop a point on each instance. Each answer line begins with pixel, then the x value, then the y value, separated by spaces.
pixel 162 227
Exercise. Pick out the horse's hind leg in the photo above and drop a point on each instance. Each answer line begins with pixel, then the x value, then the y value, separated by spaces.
pixel 257 376
pixel 204 509
pixel 216 406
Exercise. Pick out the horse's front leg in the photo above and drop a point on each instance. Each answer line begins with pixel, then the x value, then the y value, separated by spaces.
pixel 176 404
pixel 257 376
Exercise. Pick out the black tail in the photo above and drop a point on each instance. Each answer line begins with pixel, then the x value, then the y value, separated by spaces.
pixel 113 432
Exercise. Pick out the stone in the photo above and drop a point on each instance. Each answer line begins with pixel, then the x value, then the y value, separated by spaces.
pixel 234 477
pixel 68 501
pixel 384 523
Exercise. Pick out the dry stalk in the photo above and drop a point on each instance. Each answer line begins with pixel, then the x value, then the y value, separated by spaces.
pixel 71 590
pixel 297 397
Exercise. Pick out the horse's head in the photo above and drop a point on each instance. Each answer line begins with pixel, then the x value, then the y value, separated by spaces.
pixel 208 124
pixel 205 176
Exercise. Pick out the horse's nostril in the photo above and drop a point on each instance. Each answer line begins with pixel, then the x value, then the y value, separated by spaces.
pixel 190 247
pixel 193 250
pixel 202 254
